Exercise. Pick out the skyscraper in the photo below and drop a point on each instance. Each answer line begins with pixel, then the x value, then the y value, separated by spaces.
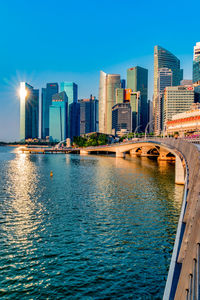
pixel 123 83
pixel 121 117
pixel 74 119
pixel 47 93
pixel 29 111
pixel 165 78
pixel 164 59
pixel 196 64
pixel 178 99
pixel 133 98
pixel 58 114
pixel 137 80
pixel 107 99
pixel 88 115
pixel 71 90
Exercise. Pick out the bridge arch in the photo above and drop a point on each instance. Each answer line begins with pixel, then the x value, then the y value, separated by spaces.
pixel 145 148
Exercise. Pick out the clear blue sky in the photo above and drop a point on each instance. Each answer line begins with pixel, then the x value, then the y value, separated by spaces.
pixel 46 40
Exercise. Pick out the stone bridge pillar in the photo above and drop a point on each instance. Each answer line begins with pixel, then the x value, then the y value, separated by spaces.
pixel 145 150
pixel 133 152
pixel 120 154
pixel 163 155
pixel 179 171
pixel 84 152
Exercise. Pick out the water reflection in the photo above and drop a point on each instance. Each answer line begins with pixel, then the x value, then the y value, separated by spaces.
pixel 100 228
pixel 23 211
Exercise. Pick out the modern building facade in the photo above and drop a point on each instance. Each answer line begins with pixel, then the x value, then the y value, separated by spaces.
pixel 89 115
pixel 178 99
pixel 133 98
pixel 29 111
pixel 165 77
pixel 186 123
pixel 47 93
pixel 164 59
pixel 58 117
pixel 196 64
pixel 150 116
pixel 107 99
pixel 137 80
pixel 121 117
pixel 74 119
pixel 71 90
pixel 123 83
pixel 186 82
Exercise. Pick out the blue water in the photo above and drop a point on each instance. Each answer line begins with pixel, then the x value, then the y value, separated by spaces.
pixel 100 228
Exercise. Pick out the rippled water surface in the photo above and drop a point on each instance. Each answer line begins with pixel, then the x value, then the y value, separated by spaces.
pixel 100 228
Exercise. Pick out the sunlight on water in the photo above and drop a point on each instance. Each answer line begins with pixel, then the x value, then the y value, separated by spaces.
pixel 100 228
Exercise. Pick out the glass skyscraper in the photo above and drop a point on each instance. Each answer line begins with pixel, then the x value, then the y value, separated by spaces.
pixel 164 59
pixel 89 115
pixel 137 80
pixel 128 96
pixel 74 119
pixel 47 93
pixel 29 111
pixel 122 117
pixel 123 83
pixel 107 99
pixel 58 117
pixel 165 78
pixel 71 90
pixel 196 64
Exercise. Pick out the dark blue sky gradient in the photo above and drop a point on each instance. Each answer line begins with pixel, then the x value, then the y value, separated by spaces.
pixel 45 40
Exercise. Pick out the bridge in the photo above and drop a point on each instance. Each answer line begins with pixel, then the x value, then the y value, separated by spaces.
pixel 183 280
pixel 149 148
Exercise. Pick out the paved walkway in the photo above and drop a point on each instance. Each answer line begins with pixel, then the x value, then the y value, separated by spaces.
pixel 198 146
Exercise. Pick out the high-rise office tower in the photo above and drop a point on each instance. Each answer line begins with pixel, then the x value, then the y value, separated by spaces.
pixel 89 115
pixel 137 80
pixel 196 51
pixel 133 98
pixel 29 111
pixel 121 117
pixel 74 119
pixel 135 101
pixel 107 99
pixel 71 90
pixel 123 83
pixel 165 78
pixel 58 115
pixel 150 115
pixel 165 59
pixel 47 93
pixel 196 64
pixel 186 82
pixel 178 99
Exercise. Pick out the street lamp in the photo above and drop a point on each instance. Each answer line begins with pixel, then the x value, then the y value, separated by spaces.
pixel 136 130
pixel 147 128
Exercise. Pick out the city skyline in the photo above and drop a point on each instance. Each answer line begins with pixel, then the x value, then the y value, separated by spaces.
pixel 81 60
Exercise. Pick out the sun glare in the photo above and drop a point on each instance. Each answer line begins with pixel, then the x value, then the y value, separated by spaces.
pixel 22 92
